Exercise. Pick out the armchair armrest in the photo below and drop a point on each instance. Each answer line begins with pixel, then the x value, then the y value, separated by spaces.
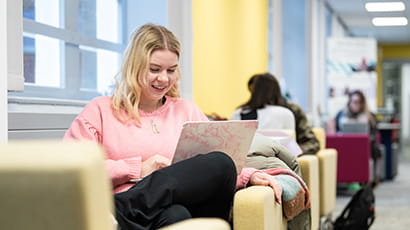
pixel 255 208
pixel 309 165
pixel 328 172
pixel 54 185
pixel 199 224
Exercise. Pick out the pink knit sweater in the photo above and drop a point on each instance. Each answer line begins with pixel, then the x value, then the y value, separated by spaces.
pixel 126 144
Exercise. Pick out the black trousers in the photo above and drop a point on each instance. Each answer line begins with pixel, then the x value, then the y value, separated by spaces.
pixel 202 186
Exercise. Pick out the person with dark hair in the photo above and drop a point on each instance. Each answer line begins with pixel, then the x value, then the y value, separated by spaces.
pixel 264 105
pixel 269 90
pixel 267 105
pixel 356 111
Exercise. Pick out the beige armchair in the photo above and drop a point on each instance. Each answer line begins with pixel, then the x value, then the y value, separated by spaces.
pixel 200 224
pixel 328 177
pixel 254 207
pixel 54 185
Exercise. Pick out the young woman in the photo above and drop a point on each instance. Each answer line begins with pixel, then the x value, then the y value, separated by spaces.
pixel 138 128
pixel 356 111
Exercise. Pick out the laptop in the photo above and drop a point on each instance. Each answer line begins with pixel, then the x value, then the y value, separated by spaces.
pixel 232 137
pixel 354 127
pixel 285 137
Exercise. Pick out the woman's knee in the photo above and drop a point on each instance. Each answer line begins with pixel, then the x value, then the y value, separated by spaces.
pixel 173 214
pixel 222 163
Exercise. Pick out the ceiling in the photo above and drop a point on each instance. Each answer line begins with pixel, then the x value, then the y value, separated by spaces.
pixel 357 21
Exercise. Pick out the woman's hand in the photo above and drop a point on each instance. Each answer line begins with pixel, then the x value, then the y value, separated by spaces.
pixel 153 163
pixel 261 178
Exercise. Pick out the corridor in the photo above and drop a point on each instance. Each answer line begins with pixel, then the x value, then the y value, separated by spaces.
pixel 392 198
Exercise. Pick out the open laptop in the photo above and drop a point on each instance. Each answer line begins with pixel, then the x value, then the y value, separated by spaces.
pixel 354 127
pixel 231 137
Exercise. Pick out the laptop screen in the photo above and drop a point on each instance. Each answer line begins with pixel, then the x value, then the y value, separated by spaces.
pixel 355 127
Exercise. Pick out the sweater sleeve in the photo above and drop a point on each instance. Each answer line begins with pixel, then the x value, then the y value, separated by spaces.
pixel 244 177
pixel 197 114
pixel 120 171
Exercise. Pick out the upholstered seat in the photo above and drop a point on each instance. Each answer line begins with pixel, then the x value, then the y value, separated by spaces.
pixel 328 174
pixel 254 207
pixel 200 224
pixel 354 156
pixel 55 185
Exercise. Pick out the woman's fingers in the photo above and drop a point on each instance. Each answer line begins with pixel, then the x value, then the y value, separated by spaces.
pixel 259 179
pixel 154 163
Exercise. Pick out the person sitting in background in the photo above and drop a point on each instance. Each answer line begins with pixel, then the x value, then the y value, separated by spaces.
pixel 267 105
pixel 357 112
pixel 263 106
pixel 138 129
pixel 304 134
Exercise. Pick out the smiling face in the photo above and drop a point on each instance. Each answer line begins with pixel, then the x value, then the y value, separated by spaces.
pixel 161 76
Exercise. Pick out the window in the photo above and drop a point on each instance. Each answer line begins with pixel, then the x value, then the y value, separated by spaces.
pixel 72 48
pixel 294 60
pixel 72 51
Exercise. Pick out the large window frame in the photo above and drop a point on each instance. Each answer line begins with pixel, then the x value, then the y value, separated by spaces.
pixel 32 117
pixel 71 43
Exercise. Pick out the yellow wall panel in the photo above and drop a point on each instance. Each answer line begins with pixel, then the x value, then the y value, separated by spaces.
pixel 389 52
pixel 229 45
pixel 396 51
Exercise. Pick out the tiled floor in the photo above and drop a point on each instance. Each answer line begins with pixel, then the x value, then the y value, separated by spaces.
pixel 392 198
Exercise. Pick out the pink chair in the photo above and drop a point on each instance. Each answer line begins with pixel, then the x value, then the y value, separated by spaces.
pixel 353 161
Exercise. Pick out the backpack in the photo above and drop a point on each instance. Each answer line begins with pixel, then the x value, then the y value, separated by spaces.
pixel 359 213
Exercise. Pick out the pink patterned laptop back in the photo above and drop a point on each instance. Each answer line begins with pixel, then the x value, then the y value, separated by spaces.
pixel 231 137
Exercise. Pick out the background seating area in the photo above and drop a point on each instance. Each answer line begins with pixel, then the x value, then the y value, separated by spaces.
pixel 354 162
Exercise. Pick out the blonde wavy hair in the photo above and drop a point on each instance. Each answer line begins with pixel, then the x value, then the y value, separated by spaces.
pixel 135 67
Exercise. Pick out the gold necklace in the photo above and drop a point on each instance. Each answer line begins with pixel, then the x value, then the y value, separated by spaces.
pixel 155 128
pixel 154 125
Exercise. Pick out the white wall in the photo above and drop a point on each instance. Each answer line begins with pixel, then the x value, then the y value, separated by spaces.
pixel 15 79
pixel 337 28
pixel 276 41
pixel 405 102
pixel 316 63
pixel 3 71
pixel 180 23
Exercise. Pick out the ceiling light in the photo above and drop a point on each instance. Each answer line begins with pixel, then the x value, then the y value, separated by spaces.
pixel 385 6
pixel 389 21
